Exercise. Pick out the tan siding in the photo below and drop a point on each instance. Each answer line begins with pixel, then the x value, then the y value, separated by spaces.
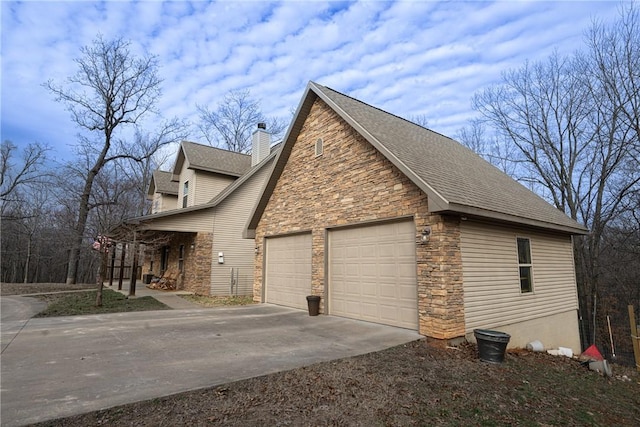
pixel 163 202
pixel 492 296
pixel 199 221
pixel 207 185
pixel 186 175
pixel 231 216
pixel 168 202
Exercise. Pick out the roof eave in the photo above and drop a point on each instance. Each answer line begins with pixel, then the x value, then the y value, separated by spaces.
pixel 307 100
pixel 513 219
pixel 213 170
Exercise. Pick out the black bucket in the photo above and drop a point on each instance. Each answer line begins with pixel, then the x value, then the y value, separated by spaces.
pixel 492 345
pixel 313 303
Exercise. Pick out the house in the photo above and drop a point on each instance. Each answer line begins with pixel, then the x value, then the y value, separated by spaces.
pixel 390 222
pixel 193 237
pixel 163 192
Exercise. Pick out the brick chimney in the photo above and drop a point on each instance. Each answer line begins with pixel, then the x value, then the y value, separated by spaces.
pixel 261 144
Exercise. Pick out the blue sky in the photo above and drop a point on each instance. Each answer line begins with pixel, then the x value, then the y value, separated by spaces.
pixel 409 58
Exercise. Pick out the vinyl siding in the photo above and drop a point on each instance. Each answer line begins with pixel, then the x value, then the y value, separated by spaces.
pixel 165 202
pixel 198 221
pixel 492 296
pixel 206 186
pixel 231 217
pixel 186 175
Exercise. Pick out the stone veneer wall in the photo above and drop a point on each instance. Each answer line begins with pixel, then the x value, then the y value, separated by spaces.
pixel 197 262
pixel 352 183
pixel 197 274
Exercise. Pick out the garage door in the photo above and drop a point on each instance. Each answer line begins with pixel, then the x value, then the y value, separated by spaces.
pixel 288 270
pixel 372 274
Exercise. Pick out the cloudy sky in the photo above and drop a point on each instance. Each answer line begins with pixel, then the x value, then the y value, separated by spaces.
pixel 409 58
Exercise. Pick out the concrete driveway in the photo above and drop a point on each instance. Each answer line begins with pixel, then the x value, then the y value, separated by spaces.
pixel 56 367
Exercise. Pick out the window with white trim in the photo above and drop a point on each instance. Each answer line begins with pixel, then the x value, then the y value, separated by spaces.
pixel 524 265
pixel 185 194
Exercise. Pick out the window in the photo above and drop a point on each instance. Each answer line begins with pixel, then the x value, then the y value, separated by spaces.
pixel 164 260
pixel 181 259
pixel 185 194
pixel 319 147
pixel 524 264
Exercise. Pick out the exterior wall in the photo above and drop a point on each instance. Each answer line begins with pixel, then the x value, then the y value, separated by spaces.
pixel 490 271
pixel 353 183
pixel 231 217
pixel 206 186
pixel 186 175
pixel 197 261
pixel 556 330
pixel 197 273
pixel 163 202
pixel 198 221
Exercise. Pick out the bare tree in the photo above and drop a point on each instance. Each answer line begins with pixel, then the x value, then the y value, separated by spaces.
pixel 111 89
pixel 420 119
pixel 502 156
pixel 140 172
pixel 230 126
pixel 574 123
pixel 27 171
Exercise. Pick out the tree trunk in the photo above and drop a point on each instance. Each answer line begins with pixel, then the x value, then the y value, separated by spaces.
pixel 83 214
pixel 27 261
pixel 101 274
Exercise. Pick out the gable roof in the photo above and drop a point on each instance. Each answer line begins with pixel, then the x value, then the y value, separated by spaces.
pixel 455 179
pixel 215 201
pixel 161 183
pixel 211 159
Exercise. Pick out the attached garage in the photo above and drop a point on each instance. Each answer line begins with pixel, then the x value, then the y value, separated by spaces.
pixel 288 270
pixel 378 186
pixel 372 274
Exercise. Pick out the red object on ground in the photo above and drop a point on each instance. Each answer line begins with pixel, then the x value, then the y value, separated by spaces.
pixel 592 352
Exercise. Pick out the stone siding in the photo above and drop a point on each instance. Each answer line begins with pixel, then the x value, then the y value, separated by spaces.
pixel 352 183
pixel 196 276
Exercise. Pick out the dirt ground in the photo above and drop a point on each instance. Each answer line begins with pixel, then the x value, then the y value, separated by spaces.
pixel 413 384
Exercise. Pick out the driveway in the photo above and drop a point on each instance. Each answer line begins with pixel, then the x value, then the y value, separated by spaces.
pixel 56 367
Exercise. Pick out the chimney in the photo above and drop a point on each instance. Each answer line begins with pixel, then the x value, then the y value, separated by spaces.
pixel 260 145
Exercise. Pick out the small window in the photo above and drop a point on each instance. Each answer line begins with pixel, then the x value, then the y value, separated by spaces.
pixel 319 147
pixel 185 194
pixel 181 259
pixel 524 264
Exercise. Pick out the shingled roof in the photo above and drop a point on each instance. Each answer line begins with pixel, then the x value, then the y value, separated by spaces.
pixel 455 179
pixel 211 159
pixel 161 183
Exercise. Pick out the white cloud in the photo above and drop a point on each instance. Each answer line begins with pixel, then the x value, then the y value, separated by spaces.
pixel 407 57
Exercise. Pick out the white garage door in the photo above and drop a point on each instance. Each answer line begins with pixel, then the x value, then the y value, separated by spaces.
pixel 288 270
pixel 372 274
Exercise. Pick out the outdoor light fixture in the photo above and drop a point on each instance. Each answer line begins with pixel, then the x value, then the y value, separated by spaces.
pixel 257 250
pixel 193 246
pixel 426 234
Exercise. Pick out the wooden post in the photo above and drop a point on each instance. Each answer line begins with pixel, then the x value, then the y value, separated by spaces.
pixel 134 267
pixel 122 254
pixel 634 337
pixel 113 247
